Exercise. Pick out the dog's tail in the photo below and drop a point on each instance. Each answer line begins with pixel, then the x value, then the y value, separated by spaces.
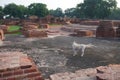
pixel 90 45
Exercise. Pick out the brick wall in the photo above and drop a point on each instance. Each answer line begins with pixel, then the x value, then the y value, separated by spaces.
pixel 4 28
pixel 18 66
pixel 2 37
pixel 35 33
pixel 105 29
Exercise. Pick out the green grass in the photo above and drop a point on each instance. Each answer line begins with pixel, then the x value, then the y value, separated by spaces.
pixel 14 28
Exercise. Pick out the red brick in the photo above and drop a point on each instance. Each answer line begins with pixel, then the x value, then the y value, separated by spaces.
pixel 84 33
pixel 18 72
pixel 21 77
pixel 6 74
pixel 0 75
pixel 10 78
pixel 35 74
pixel 2 79
pixel 2 37
pixel 35 33
pixel 44 26
pixel 105 29
pixel 29 70
pixel 38 78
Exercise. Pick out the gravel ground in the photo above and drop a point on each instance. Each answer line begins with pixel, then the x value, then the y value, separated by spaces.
pixel 54 55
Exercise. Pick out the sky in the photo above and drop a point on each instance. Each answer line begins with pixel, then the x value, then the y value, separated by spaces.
pixel 51 4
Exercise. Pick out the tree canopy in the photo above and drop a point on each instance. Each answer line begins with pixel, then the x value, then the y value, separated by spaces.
pixel 12 10
pixel 38 9
pixel 93 9
pixel 57 13
pixel 1 12
pixel 97 8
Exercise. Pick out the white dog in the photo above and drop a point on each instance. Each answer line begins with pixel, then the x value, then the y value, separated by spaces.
pixel 76 47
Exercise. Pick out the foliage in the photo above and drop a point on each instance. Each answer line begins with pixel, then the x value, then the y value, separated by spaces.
pixel 38 9
pixel 115 14
pixel 1 12
pixel 23 11
pixel 97 8
pixel 57 13
pixel 12 10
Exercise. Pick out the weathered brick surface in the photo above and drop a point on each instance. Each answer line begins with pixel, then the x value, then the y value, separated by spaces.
pixel 2 37
pixel 84 74
pixel 44 26
pixel 29 27
pixel 17 72
pixel 105 29
pixel 110 72
pixel 82 33
pixel 35 33
pixel 4 28
pixel 118 31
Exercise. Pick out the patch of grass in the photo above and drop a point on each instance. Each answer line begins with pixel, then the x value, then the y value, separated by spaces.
pixel 13 28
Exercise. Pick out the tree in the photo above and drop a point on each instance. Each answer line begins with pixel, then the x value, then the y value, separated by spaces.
pixel 1 12
pixel 12 10
pixel 57 13
pixel 115 14
pixel 70 12
pixel 97 8
pixel 23 11
pixel 38 9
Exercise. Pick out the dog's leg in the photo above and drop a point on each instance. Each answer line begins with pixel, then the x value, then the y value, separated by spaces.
pixel 75 52
pixel 83 51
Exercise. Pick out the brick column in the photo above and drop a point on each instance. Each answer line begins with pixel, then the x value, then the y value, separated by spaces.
pixel 105 29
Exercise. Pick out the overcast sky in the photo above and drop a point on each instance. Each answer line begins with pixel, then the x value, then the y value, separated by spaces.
pixel 51 4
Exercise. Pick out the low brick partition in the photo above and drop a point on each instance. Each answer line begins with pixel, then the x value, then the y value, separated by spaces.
pixel 29 23
pixel 4 28
pixel 18 66
pixel 105 29
pixel 110 72
pixel 44 26
pixel 89 22
pixel 29 27
pixel 86 33
pixel 35 33
pixel 2 37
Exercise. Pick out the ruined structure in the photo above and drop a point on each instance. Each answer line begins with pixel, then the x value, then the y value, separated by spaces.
pixel 105 29
pixel 18 66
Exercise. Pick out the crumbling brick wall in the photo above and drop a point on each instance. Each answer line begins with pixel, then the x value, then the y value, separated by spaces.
pixel 4 28
pixel 105 29
pixel 18 66
pixel 35 33
pixel 2 37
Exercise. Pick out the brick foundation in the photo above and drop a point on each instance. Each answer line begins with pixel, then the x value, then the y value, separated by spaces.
pixel 35 33
pixel 18 66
